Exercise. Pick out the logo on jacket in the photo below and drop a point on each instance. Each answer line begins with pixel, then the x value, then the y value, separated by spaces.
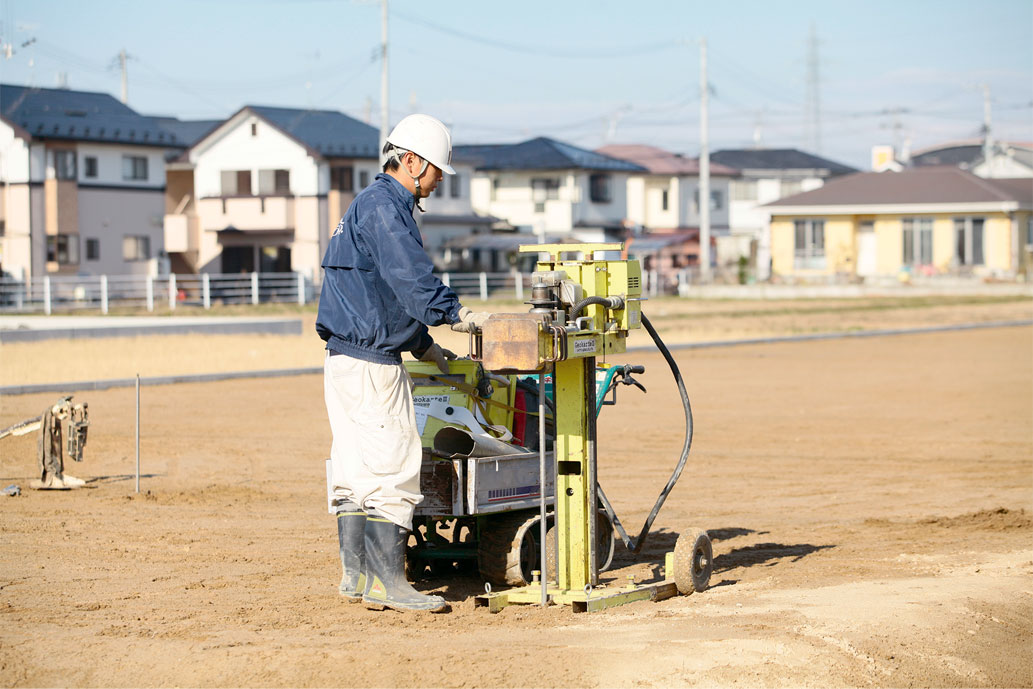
pixel 340 228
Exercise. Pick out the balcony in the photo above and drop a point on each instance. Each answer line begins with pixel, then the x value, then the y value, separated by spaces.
pixel 181 233
pixel 247 212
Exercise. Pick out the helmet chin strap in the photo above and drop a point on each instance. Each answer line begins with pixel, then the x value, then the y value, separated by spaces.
pixel 418 193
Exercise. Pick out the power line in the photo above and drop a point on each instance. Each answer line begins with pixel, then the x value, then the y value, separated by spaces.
pixel 544 51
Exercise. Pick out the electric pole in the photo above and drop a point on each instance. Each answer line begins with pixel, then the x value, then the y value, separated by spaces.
pixel 813 95
pixel 704 167
pixel 125 76
pixel 384 110
pixel 988 142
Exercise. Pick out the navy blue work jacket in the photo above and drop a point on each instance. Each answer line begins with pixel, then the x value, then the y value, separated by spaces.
pixel 379 290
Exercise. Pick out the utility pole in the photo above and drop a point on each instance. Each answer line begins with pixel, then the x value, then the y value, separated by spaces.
pixel 813 96
pixel 704 167
pixel 384 110
pixel 122 58
pixel 988 142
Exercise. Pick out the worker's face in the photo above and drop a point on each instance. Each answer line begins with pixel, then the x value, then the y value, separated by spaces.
pixel 430 177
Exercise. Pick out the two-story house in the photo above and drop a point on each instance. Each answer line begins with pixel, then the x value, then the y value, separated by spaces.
pixel 547 187
pixel 664 200
pixel 263 190
pixel 766 175
pixel 83 180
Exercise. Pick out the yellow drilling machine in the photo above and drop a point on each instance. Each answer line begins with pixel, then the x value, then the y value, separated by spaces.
pixel 509 435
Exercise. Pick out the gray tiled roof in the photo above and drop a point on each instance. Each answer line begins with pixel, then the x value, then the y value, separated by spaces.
pixel 69 115
pixel 539 154
pixel 188 132
pixel 777 159
pixel 924 185
pixel 327 132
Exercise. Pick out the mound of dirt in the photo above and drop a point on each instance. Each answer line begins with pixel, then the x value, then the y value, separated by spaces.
pixel 999 519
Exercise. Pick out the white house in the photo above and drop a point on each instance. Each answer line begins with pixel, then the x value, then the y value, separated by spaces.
pixel 766 175
pixel 547 187
pixel 83 184
pixel 263 190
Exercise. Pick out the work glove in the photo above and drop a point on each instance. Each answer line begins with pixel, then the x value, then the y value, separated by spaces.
pixel 438 355
pixel 470 321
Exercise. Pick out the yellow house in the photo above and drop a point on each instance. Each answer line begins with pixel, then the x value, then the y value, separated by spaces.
pixel 924 221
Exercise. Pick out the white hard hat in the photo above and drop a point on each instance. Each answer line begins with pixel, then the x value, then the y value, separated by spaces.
pixel 427 137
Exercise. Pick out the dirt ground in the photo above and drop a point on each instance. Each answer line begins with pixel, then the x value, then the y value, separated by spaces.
pixel 870 502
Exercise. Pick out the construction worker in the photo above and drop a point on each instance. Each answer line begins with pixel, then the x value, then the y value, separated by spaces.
pixel 379 294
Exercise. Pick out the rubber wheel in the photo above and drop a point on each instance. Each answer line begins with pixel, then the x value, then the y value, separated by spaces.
pixel 507 551
pixel 693 561
pixel 606 545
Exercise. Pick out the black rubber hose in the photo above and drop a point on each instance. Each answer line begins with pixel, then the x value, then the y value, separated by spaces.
pixel 636 545
pixel 608 302
pixel 640 541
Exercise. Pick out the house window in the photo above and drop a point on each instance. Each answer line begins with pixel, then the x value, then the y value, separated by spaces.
pixel 254 129
pixel 788 187
pixel 63 249
pixel 64 164
pixel 363 178
pixel 1029 231
pixel 544 189
pixel 342 178
pixel 236 182
pixel 274 182
pixel 918 241
pixel 92 249
pixel 968 241
pixel 744 189
pixel 134 167
pixel 495 189
pixel 90 166
pixel 136 247
pixel 454 187
pixel 809 244
pixel 599 188
pixel 717 200
pixel 663 199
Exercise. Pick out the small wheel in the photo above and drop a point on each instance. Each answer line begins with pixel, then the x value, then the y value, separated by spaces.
pixel 693 561
pixel 507 551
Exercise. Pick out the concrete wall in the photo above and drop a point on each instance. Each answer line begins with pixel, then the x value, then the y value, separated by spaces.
pixel 109 165
pixel 109 215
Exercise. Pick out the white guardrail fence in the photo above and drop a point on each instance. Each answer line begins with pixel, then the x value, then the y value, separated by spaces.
pixel 64 293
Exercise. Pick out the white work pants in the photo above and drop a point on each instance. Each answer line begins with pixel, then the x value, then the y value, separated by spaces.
pixel 376 453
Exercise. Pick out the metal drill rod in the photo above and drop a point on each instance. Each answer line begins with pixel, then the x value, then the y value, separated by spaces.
pixel 543 574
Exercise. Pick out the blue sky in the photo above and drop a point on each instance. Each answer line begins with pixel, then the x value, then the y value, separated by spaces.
pixel 584 72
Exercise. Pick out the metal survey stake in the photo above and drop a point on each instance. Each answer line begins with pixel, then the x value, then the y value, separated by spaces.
pixel 543 564
pixel 137 432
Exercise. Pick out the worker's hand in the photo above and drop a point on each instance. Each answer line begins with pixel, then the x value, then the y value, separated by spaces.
pixel 470 321
pixel 439 355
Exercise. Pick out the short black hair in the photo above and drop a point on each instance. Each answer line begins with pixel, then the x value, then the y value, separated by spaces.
pixel 391 163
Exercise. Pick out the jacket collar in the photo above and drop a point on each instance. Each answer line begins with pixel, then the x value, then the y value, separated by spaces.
pixel 396 187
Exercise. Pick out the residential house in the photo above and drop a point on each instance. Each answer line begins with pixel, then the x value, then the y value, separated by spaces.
pixel 83 184
pixel 984 159
pixel 665 200
pixel 547 187
pixel 263 190
pixel 766 175
pixel 450 218
pixel 924 221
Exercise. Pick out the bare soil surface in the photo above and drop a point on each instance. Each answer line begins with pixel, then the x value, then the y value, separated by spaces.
pixel 870 503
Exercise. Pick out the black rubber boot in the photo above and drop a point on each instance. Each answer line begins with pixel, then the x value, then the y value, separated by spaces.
pixel 385 570
pixel 351 527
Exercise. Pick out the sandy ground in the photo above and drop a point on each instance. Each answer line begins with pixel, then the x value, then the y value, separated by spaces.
pixel 870 502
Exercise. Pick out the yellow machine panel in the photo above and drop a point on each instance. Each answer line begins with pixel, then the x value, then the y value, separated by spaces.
pixel 460 388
